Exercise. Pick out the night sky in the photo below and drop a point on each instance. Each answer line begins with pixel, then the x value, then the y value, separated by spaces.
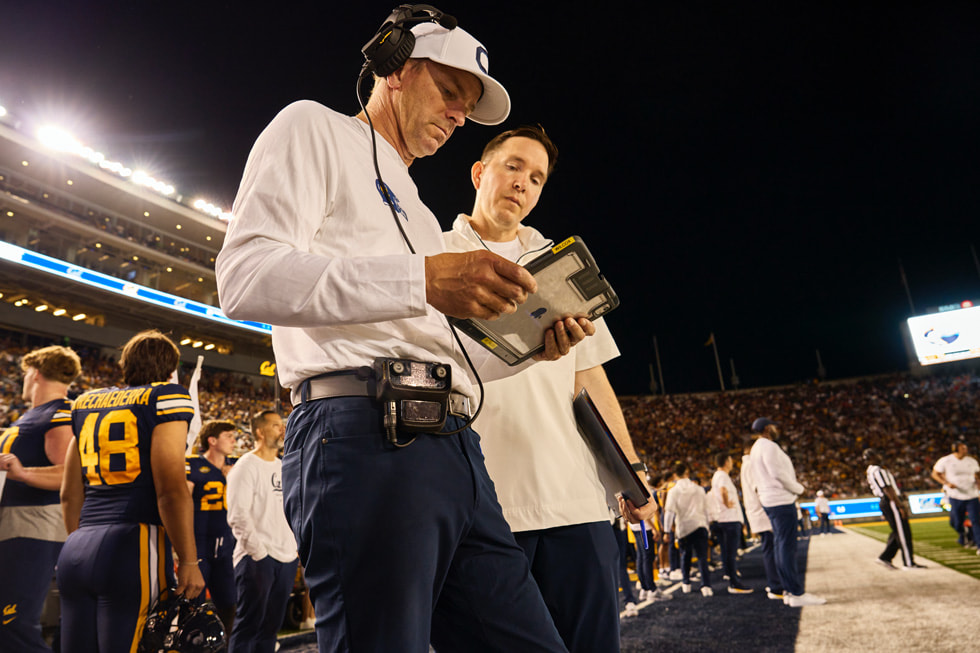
pixel 753 170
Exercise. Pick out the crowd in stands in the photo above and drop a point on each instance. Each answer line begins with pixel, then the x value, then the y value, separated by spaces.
pixel 910 419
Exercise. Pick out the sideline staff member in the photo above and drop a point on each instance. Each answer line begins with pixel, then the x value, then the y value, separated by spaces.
pixel 314 251
pixel 544 473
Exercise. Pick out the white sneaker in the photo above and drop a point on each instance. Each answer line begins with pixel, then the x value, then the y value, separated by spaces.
pixel 308 624
pixel 657 595
pixel 786 597
pixel 707 591
pixel 686 588
pixel 676 574
pixel 631 610
pixel 886 564
pixel 773 595
pixel 806 599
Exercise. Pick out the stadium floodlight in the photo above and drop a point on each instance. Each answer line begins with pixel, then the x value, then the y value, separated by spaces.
pixel 58 139
pixel 185 342
pixel 207 207
pixel 59 312
pixel 197 344
pixel 78 317
pixel 41 308
pixel 209 346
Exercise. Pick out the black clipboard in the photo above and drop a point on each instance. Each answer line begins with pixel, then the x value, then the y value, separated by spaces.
pixel 569 285
pixel 615 472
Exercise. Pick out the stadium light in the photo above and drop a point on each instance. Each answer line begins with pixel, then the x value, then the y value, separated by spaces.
pixel 41 308
pixel 185 342
pixel 209 346
pixel 197 344
pixel 59 312
pixel 78 317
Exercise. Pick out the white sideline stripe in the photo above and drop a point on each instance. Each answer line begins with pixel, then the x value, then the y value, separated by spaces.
pixel 892 611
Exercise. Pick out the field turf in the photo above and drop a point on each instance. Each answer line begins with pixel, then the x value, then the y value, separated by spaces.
pixel 933 539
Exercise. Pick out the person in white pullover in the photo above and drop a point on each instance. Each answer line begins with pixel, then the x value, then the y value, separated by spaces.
pixel 687 506
pixel 777 488
pixel 265 549
pixel 759 523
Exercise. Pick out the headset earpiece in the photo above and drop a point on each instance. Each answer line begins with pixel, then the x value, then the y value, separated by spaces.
pixel 392 44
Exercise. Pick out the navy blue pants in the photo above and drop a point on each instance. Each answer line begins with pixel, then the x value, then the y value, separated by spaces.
pixel 576 569
pixel 767 547
pixel 264 587
pixel 26 570
pixel 729 535
pixel 644 561
pixel 109 575
pixel 784 529
pixel 624 575
pixel 695 542
pixel 447 571
pixel 218 569
pixel 960 508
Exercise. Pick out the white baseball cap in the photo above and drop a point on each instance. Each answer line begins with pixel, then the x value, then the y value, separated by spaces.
pixel 456 48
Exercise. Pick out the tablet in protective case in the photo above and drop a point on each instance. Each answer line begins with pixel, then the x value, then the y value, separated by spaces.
pixel 569 285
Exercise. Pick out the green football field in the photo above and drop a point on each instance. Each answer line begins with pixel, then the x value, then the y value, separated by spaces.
pixel 933 539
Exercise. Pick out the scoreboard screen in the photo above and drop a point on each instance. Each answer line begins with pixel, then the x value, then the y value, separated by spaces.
pixel 946 336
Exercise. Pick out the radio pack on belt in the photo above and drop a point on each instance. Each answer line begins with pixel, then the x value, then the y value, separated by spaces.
pixel 569 285
pixel 415 394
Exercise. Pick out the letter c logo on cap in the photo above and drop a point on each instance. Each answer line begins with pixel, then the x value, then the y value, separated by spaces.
pixel 482 59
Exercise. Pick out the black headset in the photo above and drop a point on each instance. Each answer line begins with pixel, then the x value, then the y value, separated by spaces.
pixel 392 44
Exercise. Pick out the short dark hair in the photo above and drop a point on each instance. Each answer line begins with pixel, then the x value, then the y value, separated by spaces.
pixel 259 419
pixel 534 132
pixel 148 357
pixel 212 429
pixel 680 469
pixel 54 363
pixel 956 445
pixel 721 457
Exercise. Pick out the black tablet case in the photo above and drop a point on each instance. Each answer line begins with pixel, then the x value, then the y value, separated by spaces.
pixel 615 472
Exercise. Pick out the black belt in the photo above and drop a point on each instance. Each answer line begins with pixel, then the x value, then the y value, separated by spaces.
pixel 350 383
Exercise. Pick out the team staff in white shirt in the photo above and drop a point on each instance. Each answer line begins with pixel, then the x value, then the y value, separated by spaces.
pixel 960 475
pixel 759 523
pixel 265 549
pixel 777 487
pixel 687 508
pixel 544 473
pixel 315 251
pixel 730 520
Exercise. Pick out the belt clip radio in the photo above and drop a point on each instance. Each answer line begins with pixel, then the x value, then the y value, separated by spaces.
pixel 415 395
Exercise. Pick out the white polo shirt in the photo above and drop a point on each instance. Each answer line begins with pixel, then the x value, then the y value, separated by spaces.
pixel 962 472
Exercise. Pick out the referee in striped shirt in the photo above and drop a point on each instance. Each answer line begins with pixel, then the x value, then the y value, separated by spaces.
pixel 893 508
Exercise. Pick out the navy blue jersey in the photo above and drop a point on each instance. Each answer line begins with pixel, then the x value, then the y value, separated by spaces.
pixel 209 496
pixel 113 428
pixel 25 439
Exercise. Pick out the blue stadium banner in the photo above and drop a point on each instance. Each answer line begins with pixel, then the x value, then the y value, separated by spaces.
pixel 78 274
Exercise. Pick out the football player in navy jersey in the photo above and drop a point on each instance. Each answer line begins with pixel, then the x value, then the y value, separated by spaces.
pixel 32 452
pixel 206 480
pixel 125 501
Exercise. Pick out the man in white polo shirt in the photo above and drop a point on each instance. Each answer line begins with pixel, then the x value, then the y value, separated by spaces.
pixel 960 475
